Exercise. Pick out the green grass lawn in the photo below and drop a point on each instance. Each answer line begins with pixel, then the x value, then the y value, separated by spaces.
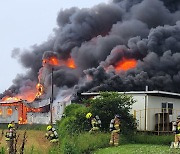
pixel 138 149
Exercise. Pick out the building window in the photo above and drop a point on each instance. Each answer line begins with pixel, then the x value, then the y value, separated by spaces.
pixel 167 108
pixel 9 111
pixel 170 108
pixel 164 106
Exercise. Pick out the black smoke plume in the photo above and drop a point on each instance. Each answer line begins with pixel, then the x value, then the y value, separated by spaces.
pixel 99 37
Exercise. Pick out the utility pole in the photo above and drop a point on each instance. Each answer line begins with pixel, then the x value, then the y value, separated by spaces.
pixel 51 100
pixel 145 118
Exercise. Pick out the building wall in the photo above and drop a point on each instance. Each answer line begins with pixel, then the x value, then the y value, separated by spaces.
pixel 155 106
pixel 38 118
pixel 44 118
pixel 138 110
pixel 5 118
pixel 58 110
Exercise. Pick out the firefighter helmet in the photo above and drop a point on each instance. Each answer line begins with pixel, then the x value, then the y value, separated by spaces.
pixel 88 115
pixel 10 125
pixel 117 116
pixel 49 127
pixel 13 124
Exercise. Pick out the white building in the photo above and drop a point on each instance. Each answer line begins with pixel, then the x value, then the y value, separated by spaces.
pixel 153 110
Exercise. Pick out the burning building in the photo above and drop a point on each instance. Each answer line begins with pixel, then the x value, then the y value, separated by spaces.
pixel 13 111
pixel 120 46
pixel 37 108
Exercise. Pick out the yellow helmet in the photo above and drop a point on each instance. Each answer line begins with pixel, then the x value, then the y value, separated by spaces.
pixel 88 115
pixel 10 125
pixel 49 127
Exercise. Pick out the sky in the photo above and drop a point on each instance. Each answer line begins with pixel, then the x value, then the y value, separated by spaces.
pixel 24 23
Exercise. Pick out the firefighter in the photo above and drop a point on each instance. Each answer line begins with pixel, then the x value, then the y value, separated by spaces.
pixel 176 129
pixel 115 130
pixel 10 136
pixel 95 122
pixel 13 125
pixel 51 134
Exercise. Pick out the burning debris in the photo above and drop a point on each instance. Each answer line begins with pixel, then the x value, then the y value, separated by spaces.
pixel 120 46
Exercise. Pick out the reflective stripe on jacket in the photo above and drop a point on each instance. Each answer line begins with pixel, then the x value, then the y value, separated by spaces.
pixel 96 122
pixel 178 130
pixel 115 125
pixel 10 134
pixel 50 135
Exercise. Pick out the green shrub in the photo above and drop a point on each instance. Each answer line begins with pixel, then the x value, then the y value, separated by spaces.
pixel 66 126
pixel 74 122
pixel 71 109
pixel 70 127
pixel 108 104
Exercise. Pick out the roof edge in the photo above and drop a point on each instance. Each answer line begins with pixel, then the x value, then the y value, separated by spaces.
pixel 137 92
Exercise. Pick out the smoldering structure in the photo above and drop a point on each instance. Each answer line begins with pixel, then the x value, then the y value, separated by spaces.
pixel 120 46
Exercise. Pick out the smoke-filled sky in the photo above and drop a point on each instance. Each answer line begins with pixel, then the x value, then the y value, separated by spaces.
pixel 25 23
pixel 121 45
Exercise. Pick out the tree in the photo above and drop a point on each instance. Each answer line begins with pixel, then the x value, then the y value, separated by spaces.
pixel 108 104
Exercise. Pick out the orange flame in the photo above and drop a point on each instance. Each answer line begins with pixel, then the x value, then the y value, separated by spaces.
pixel 34 110
pixel 40 90
pixel 9 111
pixel 29 96
pixel 125 64
pixel 52 61
pixel 8 98
pixel 56 62
pixel 70 63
